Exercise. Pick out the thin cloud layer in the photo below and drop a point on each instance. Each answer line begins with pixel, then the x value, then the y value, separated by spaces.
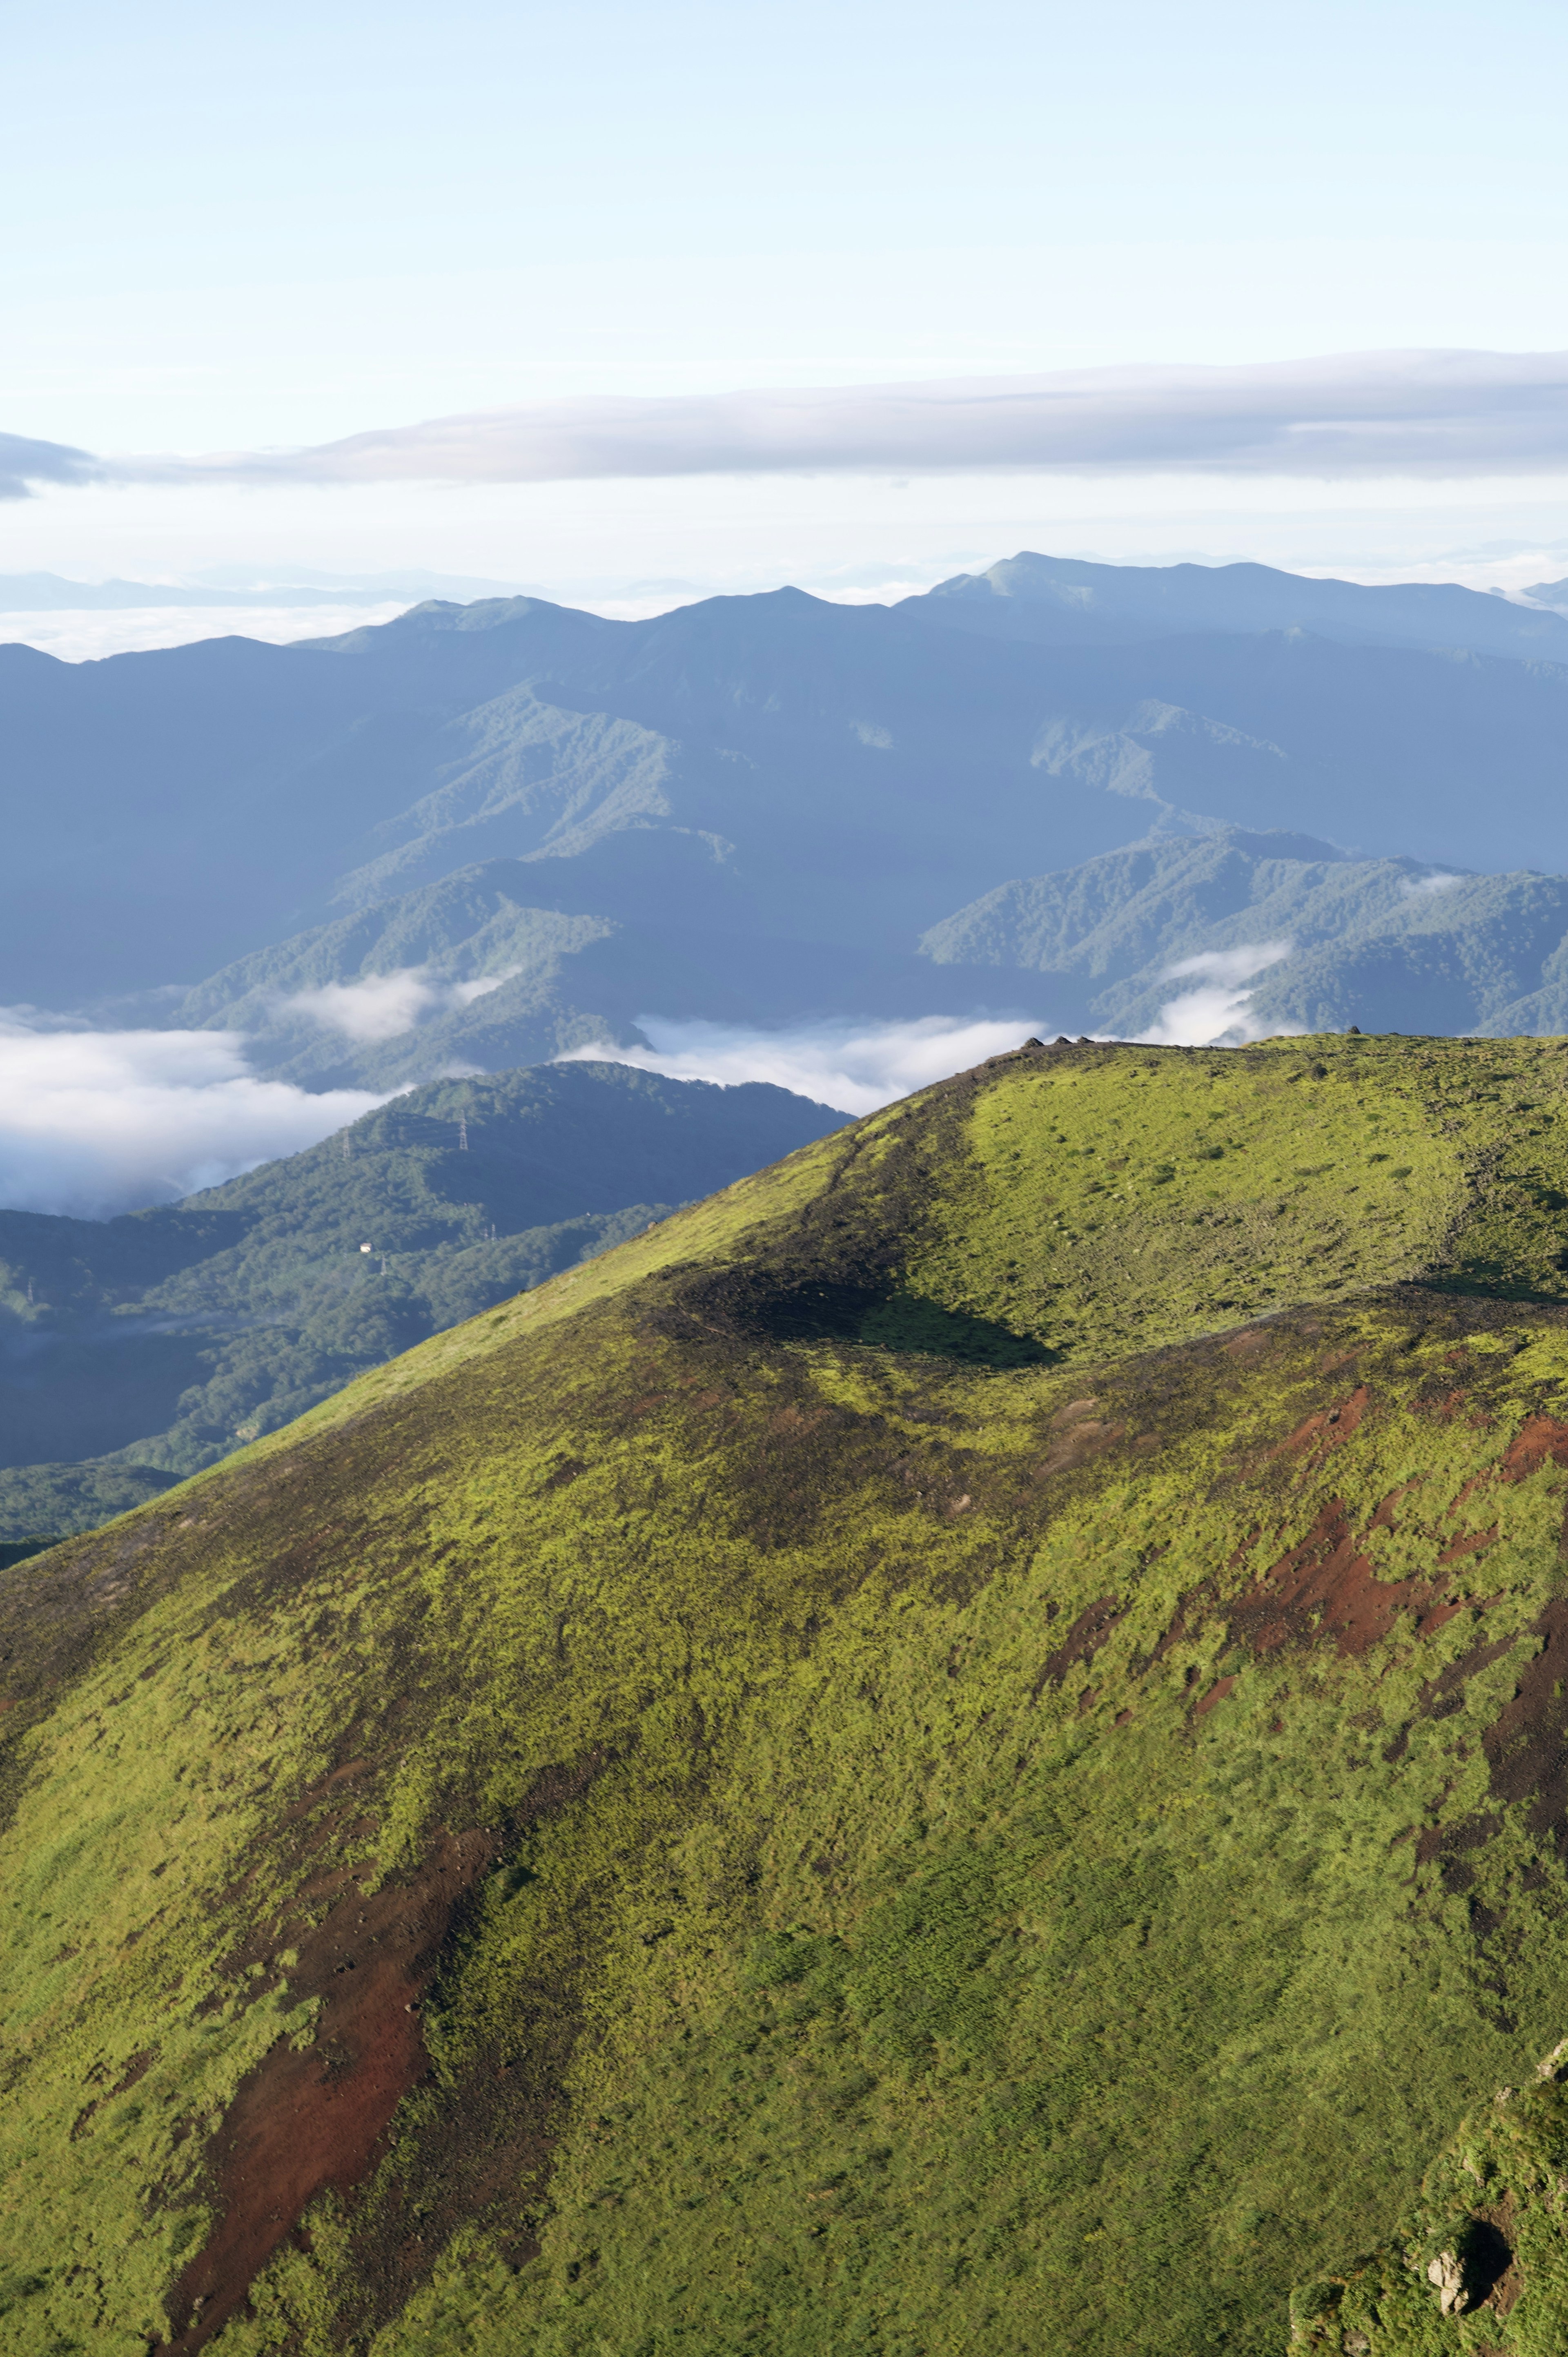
pixel 98 1122
pixel 385 1005
pixel 26 464
pixel 1420 413
pixel 856 1067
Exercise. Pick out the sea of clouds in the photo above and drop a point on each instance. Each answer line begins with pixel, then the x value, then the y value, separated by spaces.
pixel 93 1123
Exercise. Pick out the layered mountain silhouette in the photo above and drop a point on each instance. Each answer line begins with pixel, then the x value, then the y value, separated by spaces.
pixel 767 800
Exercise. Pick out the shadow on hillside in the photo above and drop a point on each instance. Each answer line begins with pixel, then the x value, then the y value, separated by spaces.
pixel 896 1321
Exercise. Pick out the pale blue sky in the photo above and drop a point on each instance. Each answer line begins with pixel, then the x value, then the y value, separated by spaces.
pixel 248 228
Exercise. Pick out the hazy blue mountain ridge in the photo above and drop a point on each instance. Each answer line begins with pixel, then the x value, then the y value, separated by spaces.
pixel 1074 600
pixel 1389 944
pixel 778 774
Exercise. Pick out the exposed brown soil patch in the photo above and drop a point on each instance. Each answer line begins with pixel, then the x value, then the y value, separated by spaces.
pixel 1082 1642
pixel 1471 1544
pixel 1528 1745
pixel 309 2119
pixel 1324 1587
pixel 1078 1434
pixel 1217 1693
pixel 1317 1434
pixel 1541 1439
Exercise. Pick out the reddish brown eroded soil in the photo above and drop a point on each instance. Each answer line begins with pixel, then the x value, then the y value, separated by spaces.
pixel 1081 1643
pixel 309 2120
pixel 1324 1588
pixel 1317 1434
pixel 1539 1440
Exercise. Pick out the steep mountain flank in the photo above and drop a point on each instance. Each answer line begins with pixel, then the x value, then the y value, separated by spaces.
pixel 958 1749
pixel 153 1344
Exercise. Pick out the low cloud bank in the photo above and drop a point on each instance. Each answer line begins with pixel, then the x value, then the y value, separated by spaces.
pixel 93 1123
pixel 385 1005
pixel 1217 1013
pixel 1420 413
pixel 98 1122
pixel 855 1066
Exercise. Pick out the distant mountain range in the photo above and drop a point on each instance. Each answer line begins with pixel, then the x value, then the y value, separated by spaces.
pixel 1316 940
pixel 757 810
pixel 51 593
pixel 136 1350
pixel 1066 601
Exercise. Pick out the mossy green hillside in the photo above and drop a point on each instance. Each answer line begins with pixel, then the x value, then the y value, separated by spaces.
pixel 890 1848
pixel 1125 1199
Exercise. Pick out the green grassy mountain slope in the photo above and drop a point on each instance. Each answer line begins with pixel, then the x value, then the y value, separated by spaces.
pixel 958 1749
pixel 153 1344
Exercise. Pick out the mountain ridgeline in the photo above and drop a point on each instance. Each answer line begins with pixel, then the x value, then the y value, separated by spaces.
pixel 956 1749
pixel 754 810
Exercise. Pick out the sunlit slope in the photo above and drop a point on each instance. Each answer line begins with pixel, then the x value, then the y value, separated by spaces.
pixel 1479 2261
pixel 882 1768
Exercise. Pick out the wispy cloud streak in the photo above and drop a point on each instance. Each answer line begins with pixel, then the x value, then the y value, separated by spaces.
pixel 26 464
pixel 1411 412
pixel 854 1066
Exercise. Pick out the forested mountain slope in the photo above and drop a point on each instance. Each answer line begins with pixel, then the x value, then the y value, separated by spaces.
pixel 1324 940
pixel 136 1349
pixel 956 1749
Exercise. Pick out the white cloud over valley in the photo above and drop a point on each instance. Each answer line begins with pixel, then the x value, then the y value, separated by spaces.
pixel 98 1122
pixel 1216 1012
pixel 385 1005
pixel 859 1066
pixel 92 1123
pixel 854 1066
